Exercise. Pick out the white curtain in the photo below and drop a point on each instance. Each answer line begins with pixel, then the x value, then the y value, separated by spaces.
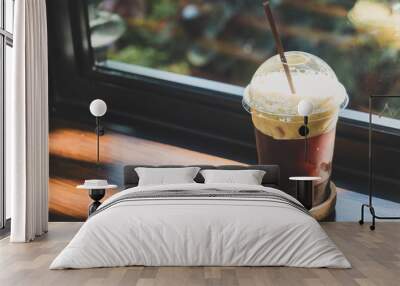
pixel 27 123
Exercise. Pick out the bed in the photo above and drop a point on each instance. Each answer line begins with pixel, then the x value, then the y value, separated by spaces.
pixel 198 224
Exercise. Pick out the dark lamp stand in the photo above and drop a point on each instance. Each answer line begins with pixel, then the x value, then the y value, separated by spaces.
pixel 97 108
pixel 305 193
pixel 99 132
pixel 96 195
pixel 370 159
pixel 304 131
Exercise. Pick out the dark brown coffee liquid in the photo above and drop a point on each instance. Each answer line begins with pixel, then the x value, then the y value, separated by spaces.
pixel 290 156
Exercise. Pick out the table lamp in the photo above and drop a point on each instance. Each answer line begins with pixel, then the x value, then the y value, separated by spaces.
pixel 98 108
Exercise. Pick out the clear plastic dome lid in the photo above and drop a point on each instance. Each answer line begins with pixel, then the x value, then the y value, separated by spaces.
pixel 314 81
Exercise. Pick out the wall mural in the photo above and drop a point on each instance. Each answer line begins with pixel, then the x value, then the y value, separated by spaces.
pixel 356 55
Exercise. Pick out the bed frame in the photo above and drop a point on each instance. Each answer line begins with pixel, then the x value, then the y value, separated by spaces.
pixel 271 177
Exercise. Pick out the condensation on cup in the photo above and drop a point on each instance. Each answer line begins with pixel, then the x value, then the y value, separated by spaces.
pixel 274 112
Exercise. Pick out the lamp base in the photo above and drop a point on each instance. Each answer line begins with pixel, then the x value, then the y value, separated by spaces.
pixel 374 216
pixel 96 195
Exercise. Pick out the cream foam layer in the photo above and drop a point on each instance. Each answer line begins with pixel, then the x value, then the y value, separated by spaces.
pixel 271 93
pixel 287 128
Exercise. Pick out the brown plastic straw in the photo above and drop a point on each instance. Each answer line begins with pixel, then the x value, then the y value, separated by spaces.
pixel 279 46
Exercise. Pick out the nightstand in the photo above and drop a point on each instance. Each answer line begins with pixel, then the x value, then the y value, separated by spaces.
pixel 305 188
pixel 97 190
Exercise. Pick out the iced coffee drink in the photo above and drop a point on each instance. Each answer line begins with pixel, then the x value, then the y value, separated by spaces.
pixel 274 110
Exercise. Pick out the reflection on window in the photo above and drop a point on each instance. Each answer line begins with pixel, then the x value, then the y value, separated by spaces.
pixel 9 15
pixel 226 41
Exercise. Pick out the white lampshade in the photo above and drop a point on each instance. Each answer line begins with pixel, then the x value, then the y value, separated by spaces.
pixel 98 107
pixel 305 107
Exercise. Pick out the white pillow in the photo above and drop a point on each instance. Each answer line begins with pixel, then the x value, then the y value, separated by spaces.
pixel 247 177
pixel 165 176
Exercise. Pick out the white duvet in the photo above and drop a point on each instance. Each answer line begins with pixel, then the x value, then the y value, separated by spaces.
pixel 200 231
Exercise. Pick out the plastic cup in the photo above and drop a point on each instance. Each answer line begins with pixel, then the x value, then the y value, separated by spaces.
pixel 274 112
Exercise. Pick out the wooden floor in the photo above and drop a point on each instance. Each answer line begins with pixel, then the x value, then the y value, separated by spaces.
pixel 375 257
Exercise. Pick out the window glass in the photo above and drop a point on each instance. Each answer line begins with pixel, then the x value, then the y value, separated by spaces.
pixel 2 46
pixel 226 41
pixel 9 15
pixel 1 14
pixel 8 86
pixel 6 62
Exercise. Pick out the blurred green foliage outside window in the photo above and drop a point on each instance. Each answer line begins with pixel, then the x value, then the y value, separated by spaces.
pixel 226 41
